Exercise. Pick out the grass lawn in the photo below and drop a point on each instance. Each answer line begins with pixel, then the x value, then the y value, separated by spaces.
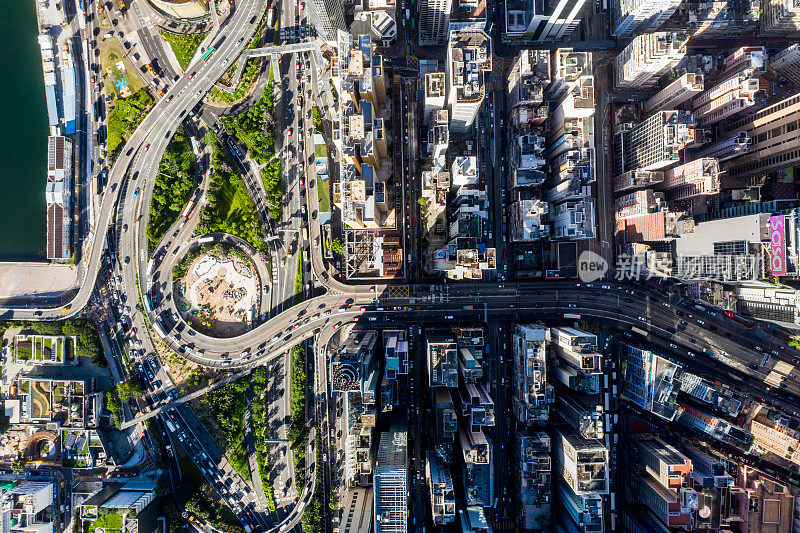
pixel 184 46
pixel 111 53
pixel 107 521
pixel 324 195
pixel 320 150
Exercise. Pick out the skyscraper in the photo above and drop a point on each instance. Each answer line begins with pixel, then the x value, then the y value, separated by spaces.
pixel 434 21
pixel 327 16
pixel 655 143
pixel 647 58
pixel 549 20
pixel 640 15
pixel 469 56
pixel 391 480
pixel 787 63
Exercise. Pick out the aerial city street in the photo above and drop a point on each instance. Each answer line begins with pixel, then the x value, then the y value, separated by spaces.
pixel 356 266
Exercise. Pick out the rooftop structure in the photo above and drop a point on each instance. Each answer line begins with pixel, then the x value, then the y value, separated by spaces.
pixel 478 468
pixel 477 407
pixel 651 382
pixel 581 414
pixel 777 438
pixel 434 94
pixel 469 56
pixel 766 504
pixel 534 480
pixel 574 220
pixel 637 179
pixel 440 487
pixel 656 226
pixel 715 20
pixel 391 480
pixel 787 64
pixel 582 466
pixel 716 428
pixel 463 257
pixel 655 143
pixel 23 508
pixel 396 352
pixel 434 21
pixel 354 367
pixel 576 348
pixel 735 95
pixel 647 58
pixel 58 196
pixel 527 219
pixel 359 424
pixel 473 520
pixel 568 67
pixel 781 18
pixel 442 360
pixel 445 422
pixel 532 392
pixel 638 203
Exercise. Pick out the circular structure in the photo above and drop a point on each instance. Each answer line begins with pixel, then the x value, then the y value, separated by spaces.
pixel 42 446
pixel 220 292
pixel 183 9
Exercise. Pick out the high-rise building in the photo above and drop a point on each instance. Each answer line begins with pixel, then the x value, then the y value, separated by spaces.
pixel 787 64
pixel 528 79
pixel 354 369
pixel 532 393
pixel 647 58
pixel 577 356
pixel 357 507
pixel 582 469
pixel 434 94
pixel 442 359
pixel 391 480
pixel 664 483
pixel 651 381
pixel 699 177
pixel 776 438
pixel 434 21
pixel 775 136
pixel 639 202
pixel 469 57
pixel 574 220
pixel 581 414
pixel 478 468
pixel 327 16
pixel 670 97
pixel 359 425
pixel 477 407
pixel 738 93
pixel 568 68
pixel 631 16
pixel 58 195
pixel 655 143
pixel 528 220
pixel 728 147
pixel 445 422
pixel 781 18
pixel 548 20
pixel 637 179
pixel 396 352
pixel 440 487
pixel 715 20
pixel 534 480
pixel 22 508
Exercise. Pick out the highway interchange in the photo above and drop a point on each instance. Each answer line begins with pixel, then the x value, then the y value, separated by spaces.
pixel 678 327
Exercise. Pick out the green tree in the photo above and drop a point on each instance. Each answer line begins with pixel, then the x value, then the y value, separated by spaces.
pixel 336 246
pixel 210 138
pixel 18 464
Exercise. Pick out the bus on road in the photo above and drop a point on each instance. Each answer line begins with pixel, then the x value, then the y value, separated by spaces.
pixel 270 14
pixel 208 54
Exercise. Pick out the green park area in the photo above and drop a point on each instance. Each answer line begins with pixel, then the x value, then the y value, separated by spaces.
pixel 230 208
pixel 106 522
pixel 197 496
pixel 298 430
pixel 184 46
pixel 260 406
pixel 173 187
pixel 255 127
pixel 224 408
pixel 125 115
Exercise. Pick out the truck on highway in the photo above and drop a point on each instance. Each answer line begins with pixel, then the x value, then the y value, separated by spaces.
pixel 270 15
pixel 572 315
pixel 170 425
pixel 188 209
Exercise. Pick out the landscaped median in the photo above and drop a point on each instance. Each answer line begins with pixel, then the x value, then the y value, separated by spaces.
pixel 248 78
pixel 298 430
pixel 173 187
pixel 184 46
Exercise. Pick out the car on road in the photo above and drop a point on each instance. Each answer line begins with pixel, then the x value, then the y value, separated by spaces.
pixel 136 191
pixel 336 326
pixel 291 129
pixel 127 259
pixel 124 228
pixel 191 75
pixel 321 306
pixel 674 347
pixel 170 98
pixel 146 147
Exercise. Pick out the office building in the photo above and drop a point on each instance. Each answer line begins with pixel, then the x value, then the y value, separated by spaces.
pixel 469 364
pixel 357 508
pixel 781 18
pixel 568 68
pixel 58 196
pixel 728 147
pixel 445 422
pixel 24 508
pixel 577 362
pixel 528 220
pixel 469 57
pixel 715 20
pixel 664 483
pixel 390 481
pixel 718 429
pixel 434 94
pixel 655 143
pixel 440 488
pixel 699 177
pixel 707 470
pixel 581 466
pixel 473 520
pixel 529 77
pixel 651 382
pixel 327 17
pixel 476 406
pixel 643 16
pixel 638 203
pixel 543 20
pixel 745 59
pixel 642 520
pixel 534 480
pixel 765 504
pixel 583 415
pixel 739 93
pixel 354 369
pixel 776 437
pixel 358 427
pixel 532 394
pixel 395 343
pixel 682 89
pixel 647 58
pixel 442 359
pixel 637 179
pixel 135 501
pixel 787 64
pixel 776 139
pixel 574 220
pixel 478 468
pixel 434 21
